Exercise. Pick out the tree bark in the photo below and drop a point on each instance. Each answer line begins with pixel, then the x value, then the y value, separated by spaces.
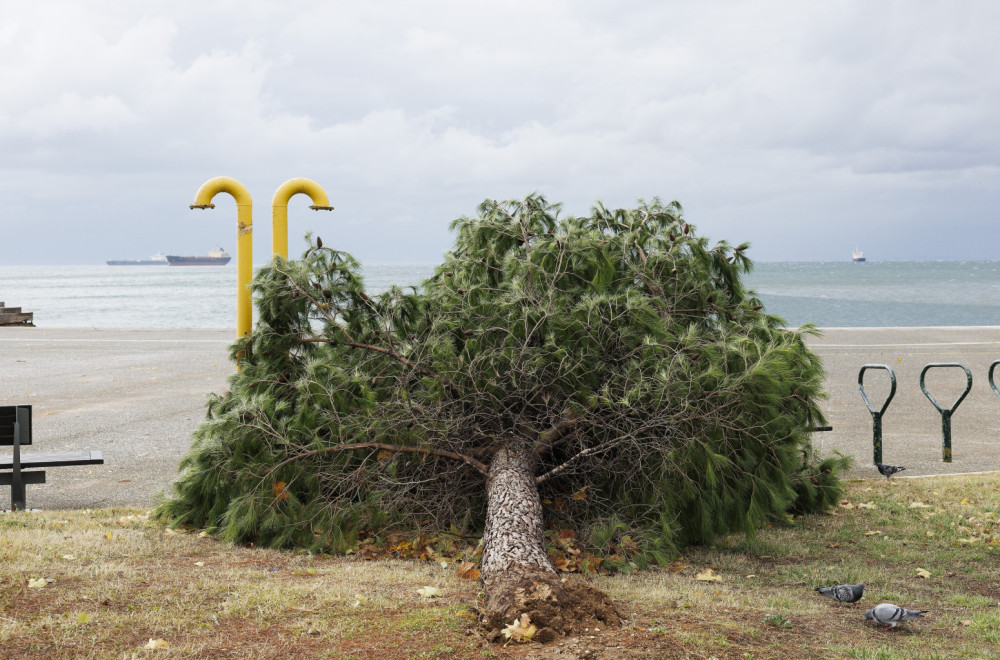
pixel 518 577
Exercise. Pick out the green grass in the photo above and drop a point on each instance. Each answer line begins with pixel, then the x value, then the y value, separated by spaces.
pixel 121 580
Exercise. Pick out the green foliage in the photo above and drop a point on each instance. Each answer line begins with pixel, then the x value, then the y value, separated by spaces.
pixel 817 486
pixel 777 620
pixel 660 403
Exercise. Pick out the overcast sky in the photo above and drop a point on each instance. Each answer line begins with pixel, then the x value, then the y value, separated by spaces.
pixel 807 128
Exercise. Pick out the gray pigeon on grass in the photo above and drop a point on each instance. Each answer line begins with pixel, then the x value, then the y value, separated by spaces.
pixel 889 470
pixel 889 615
pixel 843 593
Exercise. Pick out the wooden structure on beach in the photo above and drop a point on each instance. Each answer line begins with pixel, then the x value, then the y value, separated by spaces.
pixel 14 316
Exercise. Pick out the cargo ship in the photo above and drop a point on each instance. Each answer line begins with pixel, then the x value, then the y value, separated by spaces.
pixel 857 256
pixel 216 257
pixel 157 259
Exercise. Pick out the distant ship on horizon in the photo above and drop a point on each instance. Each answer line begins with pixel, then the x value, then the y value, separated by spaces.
pixel 157 259
pixel 216 257
pixel 857 256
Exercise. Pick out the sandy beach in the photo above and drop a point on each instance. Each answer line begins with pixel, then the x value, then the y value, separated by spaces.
pixel 138 394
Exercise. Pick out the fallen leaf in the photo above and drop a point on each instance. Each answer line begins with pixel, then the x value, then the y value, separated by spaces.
pixel 873 532
pixel 156 644
pixel 919 505
pixel 866 505
pixel 752 575
pixel 67 557
pixel 708 575
pixel 429 592
pixel 923 573
pixel 203 535
pixel 929 533
pixel 966 622
pixel 83 618
pixel 37 584
pixel 522 630
pixel 199 563
pixel 467 571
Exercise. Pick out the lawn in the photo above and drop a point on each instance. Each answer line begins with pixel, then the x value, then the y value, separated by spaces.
pixel 113 583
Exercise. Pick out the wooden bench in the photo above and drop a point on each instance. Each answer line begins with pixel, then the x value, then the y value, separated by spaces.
pixel 15 431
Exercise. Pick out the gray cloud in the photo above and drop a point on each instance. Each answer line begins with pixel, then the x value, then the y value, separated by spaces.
pixel 805 128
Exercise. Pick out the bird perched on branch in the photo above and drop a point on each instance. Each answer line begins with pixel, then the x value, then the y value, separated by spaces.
pixel 843 593
pixel 889 470
pixel 889 615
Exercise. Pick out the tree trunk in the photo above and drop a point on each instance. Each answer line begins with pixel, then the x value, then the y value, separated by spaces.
pixel 518 577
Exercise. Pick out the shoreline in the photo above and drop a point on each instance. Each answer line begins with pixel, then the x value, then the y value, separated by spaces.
pixel 138 394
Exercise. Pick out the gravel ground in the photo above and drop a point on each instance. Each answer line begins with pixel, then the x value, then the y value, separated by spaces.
pixel 138 394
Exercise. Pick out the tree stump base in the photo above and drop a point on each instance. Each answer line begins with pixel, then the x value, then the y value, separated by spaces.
pixel 555 605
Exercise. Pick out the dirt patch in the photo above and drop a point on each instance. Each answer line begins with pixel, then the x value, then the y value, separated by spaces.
pixel 555 606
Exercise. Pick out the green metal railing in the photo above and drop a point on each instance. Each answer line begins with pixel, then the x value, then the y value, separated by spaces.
pixel 876 414
pixel 947 412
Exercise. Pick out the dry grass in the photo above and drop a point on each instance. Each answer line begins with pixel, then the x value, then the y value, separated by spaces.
pixel 119 581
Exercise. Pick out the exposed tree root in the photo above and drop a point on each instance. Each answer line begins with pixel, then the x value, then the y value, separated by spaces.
pixel 555 605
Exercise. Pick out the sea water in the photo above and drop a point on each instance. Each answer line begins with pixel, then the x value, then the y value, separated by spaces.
pixel 149 296
pixel 881 294
pixel 827 294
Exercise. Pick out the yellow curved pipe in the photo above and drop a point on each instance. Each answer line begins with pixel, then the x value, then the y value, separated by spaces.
pixel 279 209
pixel 244 241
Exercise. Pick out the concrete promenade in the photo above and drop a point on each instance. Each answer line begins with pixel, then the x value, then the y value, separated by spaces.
pixel 911 426
pixel 138 394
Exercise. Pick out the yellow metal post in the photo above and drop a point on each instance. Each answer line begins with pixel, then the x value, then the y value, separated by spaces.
pixel 244 241
pixel 279 209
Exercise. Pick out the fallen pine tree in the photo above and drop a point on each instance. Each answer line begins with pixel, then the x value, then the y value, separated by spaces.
pixel 609 374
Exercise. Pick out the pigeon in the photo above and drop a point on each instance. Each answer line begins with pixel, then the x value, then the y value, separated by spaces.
pixel 843 593
pixel 889 615
pixel 889 470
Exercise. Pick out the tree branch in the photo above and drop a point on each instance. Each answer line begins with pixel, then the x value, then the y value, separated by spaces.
pixel 384 351
pixel 586 452
pixel 349 341
pixel 550 438
pixel 347 446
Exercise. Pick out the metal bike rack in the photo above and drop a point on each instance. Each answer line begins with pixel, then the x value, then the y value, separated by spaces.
pixel 877 414
pixel 947 412
pixel 989 377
